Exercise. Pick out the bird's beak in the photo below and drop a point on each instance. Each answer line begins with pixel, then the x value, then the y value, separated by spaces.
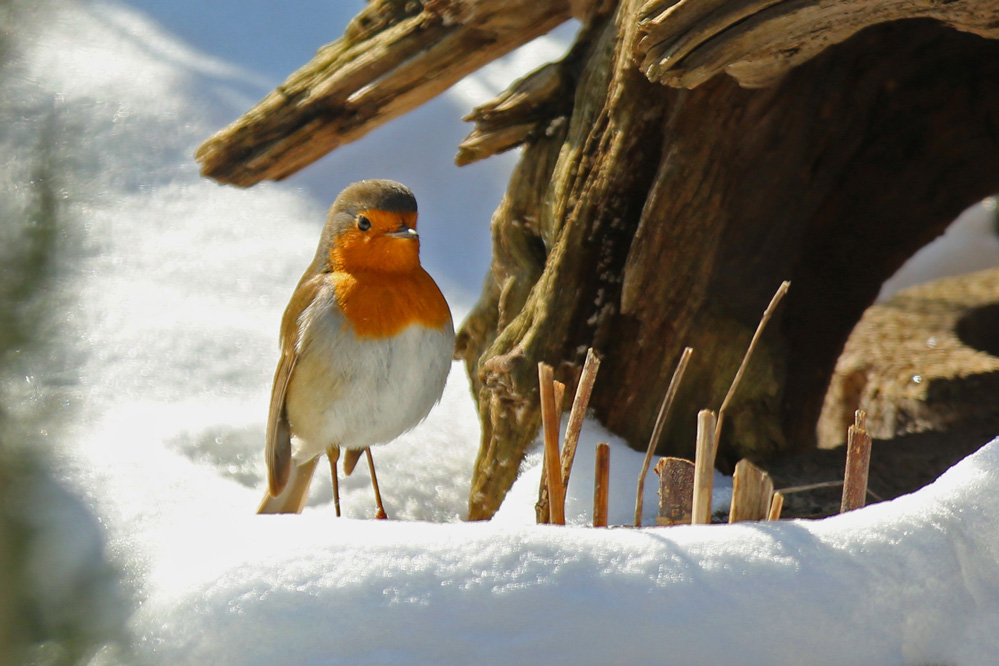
pixel 403 232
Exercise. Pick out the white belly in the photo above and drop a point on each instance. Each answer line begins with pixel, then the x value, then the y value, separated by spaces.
pixel 358 392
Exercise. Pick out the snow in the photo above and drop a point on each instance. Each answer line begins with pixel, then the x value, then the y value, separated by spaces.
pixel 177 298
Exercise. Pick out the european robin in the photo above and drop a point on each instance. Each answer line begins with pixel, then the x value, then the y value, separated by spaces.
pixel 366 345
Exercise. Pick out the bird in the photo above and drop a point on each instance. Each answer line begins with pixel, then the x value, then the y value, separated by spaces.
pixel 366 345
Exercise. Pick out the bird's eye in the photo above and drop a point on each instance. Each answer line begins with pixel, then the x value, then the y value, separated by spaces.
pixel 363 223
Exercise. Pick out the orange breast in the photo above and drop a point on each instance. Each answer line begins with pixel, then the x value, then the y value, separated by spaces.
pixel 381 304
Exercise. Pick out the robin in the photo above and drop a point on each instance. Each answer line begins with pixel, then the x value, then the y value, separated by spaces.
pixel 366 345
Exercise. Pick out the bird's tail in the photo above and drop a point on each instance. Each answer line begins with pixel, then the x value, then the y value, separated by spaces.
pixel 296 492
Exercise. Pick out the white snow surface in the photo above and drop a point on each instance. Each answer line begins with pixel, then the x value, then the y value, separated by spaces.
pixel 177 310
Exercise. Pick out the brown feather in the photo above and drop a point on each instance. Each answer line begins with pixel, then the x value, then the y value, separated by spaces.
pixel 278 448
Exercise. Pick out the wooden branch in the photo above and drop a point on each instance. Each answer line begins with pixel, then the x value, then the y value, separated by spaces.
pixel 393 57
pixel 657 430
pixel 767 314
pixel 550 421
pixel 601 481
pixel 676 491
pixel 686 42
pixel 752 493
pixel 858 460
pixel 524 108
pixel 704 467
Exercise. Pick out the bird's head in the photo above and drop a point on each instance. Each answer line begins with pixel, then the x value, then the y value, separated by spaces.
pixel 372 227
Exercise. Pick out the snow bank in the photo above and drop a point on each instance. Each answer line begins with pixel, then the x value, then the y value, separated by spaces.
pixel 179 297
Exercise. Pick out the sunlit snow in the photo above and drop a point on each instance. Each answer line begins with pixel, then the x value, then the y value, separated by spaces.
pixel 177 302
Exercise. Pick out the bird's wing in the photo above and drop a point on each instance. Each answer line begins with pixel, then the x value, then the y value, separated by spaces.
pixel 278 450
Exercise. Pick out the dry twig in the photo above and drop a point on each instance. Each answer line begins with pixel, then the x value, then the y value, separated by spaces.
pixel 767 314
pixel 657 430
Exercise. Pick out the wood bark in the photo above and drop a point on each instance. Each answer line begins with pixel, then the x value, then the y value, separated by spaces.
pixel 644 218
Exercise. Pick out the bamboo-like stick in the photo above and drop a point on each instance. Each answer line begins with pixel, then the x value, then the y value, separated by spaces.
pixel 767 314
pixel 752 493
pixel 584 389
pixel 704 467
pixel 776 506
pixel 657 430
pixel 601 480
pixel 541 509
pixel 549 420
pixel 858 460
pixel 676 491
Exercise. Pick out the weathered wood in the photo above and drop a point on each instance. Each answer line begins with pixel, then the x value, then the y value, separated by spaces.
pixel 676 491
pixel 584 195
pixel 393 57
pixel 704 468
pixel 686 42
pixel 858 462
pixel 752 493
pixel 657 430
pixel 715 232
pixel 601 485
pixel 519 113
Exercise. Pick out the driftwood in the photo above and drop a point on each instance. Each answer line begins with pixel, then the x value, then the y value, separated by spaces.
pixel 644 218
pixel 394 56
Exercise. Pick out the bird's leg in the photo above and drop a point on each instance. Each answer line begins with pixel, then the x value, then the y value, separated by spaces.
pixel 381 515
pixel 333 453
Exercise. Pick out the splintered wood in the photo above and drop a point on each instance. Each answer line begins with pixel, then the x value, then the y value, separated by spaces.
pixel 752 493
pixel 858 460
pixel 676 491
